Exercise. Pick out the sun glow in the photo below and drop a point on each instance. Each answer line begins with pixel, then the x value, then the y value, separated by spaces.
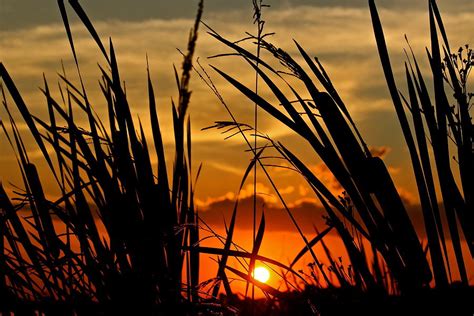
pixel 261 274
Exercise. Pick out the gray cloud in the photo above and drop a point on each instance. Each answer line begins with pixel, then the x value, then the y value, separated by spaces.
pixel 307 215
pixel 26 13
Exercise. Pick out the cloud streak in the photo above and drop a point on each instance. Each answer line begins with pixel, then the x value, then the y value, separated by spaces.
pixel 340 35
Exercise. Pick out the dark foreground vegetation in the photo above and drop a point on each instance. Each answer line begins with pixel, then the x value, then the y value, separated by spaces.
pixel 124 238
pixel 351 301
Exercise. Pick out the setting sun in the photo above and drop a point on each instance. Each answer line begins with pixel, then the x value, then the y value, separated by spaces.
pixel 261 274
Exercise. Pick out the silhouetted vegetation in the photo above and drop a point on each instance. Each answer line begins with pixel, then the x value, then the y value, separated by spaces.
pixel 124 238
pixel 56 256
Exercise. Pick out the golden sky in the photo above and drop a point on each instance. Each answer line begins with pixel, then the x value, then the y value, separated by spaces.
pixel 33 42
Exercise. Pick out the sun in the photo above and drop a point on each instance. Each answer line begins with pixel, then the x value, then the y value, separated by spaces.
pixel 261 274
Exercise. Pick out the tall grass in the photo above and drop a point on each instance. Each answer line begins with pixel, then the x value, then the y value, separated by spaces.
pixel 124 237
pixel 372 210
pixel 115 241
pixel 448 123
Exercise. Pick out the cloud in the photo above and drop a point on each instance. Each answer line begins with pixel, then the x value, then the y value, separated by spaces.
pixel 340 36
pixel 209 201
pixel 322 172
pixel 307 211
pixel 302 190
pixel 289 189
pixel 338 32
pixel 380 151
pixel 226 167
pixel 408 197
pixel 306 214
pixel 264 194
pixel 393 170
pixel 305 201
pixel 27 13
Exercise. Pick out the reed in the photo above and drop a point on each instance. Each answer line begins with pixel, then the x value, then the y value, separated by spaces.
pixel 125 237
pixel 115 242
pixel 372 210
pixel 448 123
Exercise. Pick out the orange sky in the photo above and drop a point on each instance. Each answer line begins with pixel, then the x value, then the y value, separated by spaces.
pixel 339 33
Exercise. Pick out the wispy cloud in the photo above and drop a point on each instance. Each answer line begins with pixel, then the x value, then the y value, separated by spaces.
pixel 340 36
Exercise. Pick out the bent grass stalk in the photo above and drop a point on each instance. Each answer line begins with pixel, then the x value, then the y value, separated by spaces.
pixel 381 216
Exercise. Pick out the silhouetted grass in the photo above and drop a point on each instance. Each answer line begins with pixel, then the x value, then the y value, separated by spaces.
pixel 372 210
pixel 448 123
pixel 124 238
pixel 115 241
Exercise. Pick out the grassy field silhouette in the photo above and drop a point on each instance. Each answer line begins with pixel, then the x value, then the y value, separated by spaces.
pixel 125 238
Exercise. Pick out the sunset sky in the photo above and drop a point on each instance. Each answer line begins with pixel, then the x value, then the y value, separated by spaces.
pixel 33 41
